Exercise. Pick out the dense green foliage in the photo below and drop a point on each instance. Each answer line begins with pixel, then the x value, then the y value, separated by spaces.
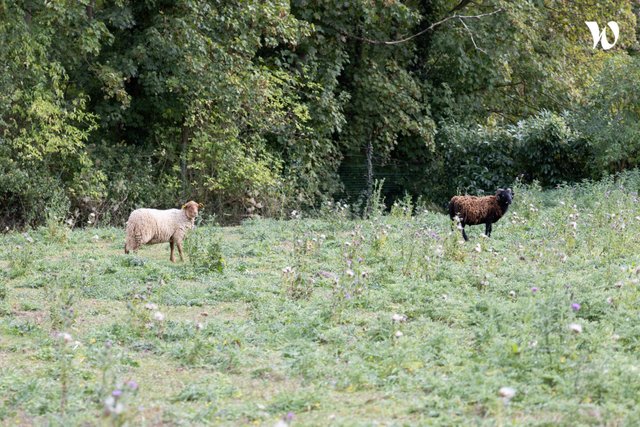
pixel 256 106
pixel 387 321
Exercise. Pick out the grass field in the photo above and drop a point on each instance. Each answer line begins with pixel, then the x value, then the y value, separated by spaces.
pixel 334 321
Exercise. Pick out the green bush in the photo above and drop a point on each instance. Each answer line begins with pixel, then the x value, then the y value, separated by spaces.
pixel 549 151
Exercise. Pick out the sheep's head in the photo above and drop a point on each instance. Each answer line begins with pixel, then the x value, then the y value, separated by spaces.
pixel 191 209
pixel 505 197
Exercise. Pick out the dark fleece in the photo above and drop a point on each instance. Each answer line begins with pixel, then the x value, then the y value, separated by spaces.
pixel 473 210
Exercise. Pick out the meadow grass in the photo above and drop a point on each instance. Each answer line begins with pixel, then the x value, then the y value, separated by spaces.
pixel 391 320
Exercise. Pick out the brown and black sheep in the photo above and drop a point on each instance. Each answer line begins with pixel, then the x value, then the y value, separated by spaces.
pixel 473 210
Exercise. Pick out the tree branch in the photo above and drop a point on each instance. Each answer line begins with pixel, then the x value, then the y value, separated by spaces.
pixel 421 32
pixel 472 39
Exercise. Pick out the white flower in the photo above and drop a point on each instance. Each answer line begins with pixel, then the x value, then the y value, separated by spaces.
pixel 399 317
pixel 507 393
pixel 113 407
pixel 350 273
pixel 512 294
pixel 287 270
pixel 151 306
pixel 399 334
pixel 199 326
pixel 573 224
pixel 65 336
pixel 575 328
pixel 478 248
pixel 158 316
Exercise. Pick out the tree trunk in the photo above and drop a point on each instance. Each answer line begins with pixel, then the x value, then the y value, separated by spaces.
pixel 184 145
pixel 89 8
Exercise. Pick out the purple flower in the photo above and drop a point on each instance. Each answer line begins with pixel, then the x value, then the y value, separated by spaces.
pixel 347 295
pixel 116 393
pixel 575 306
pixel 289 417
pixel 132 385
pixel 534 289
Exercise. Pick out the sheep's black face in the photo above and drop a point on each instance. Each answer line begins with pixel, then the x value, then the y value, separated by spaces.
pixel 505 197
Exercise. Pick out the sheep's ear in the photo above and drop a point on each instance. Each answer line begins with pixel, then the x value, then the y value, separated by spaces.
pixel 200 205
pixel 510 191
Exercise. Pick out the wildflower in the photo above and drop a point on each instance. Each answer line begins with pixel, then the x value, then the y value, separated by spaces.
pixel 287 270
pixel 507 393
pixel 575 328
pixel 609 300
pixel 112 407
pixel 534 289
pixel 399 334
pixel 199 326
pixel 575 306
pixel 573 224
pixel 116 393
pixel 512 294
pixel 289 417
pixel 347 295
pixel 350 273
pixel 399 317
pixel 65 336
pixel 132 385
pixel 364 274
pixel 158 316
pixel 478 248
pixel 151 306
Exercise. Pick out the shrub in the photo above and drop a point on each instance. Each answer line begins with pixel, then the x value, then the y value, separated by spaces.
pixel 549 151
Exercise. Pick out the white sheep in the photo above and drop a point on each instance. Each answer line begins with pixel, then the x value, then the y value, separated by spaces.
pixel 151 226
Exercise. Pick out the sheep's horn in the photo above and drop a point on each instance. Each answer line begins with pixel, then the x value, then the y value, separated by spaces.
pixel 184 206
pixel 200 205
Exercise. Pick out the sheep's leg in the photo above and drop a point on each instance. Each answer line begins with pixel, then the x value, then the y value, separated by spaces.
pixel 171 257
pixel 466 239
pixel 488 230
pixel 179 243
